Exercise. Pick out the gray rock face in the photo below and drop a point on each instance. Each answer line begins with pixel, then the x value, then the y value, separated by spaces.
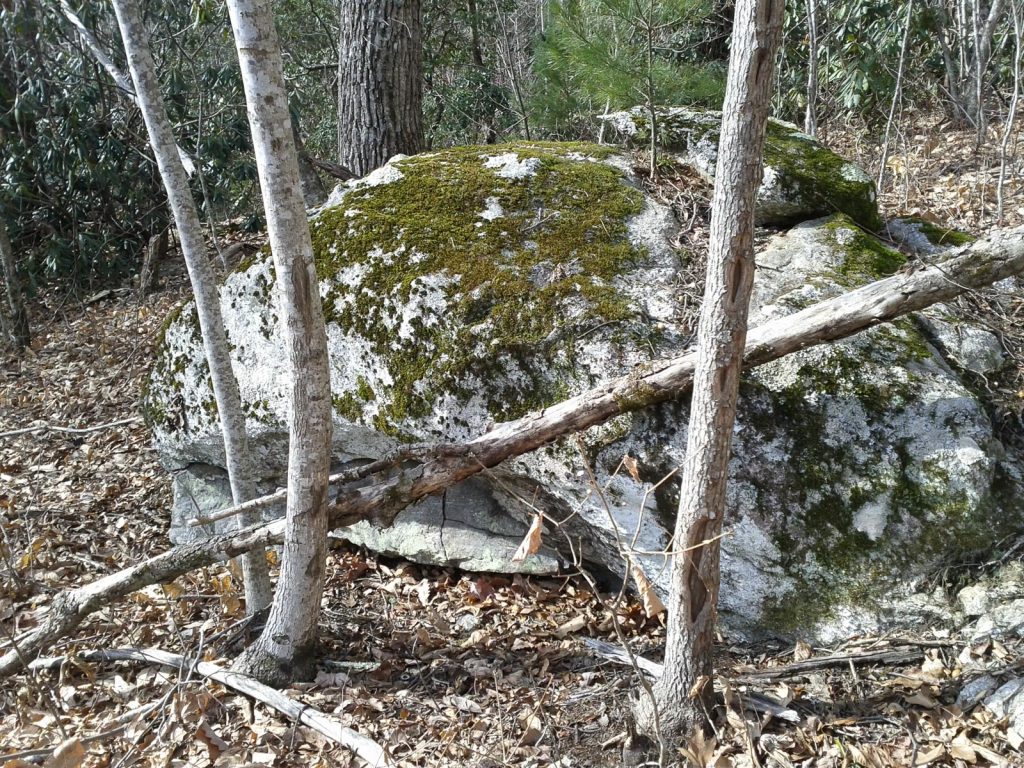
pixel 1008 702
pixel 967 346
pixel 802 179
pixel 472 286
pixel 995 604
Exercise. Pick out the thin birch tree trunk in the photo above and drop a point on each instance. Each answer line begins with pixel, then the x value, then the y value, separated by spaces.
pixel 16 317
pixel 811 114
pixel 1011 116
pixel 204 286
pixel 285 650
pixel 952 74
pixel 683 695
pixel 897 96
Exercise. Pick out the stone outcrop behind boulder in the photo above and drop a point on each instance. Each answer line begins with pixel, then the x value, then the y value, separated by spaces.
pixel 802 179
pixel 470 286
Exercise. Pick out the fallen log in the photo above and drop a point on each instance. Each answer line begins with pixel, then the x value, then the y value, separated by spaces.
pixel 973 266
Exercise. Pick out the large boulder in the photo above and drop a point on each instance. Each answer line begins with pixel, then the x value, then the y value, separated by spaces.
pixel 471 286
pixel 802 179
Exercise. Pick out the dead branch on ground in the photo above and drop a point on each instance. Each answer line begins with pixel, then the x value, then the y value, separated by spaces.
pixel 362 746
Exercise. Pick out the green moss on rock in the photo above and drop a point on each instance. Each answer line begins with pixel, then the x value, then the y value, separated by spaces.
pixel 495 264
pixel 864 257
pixel 941 236
pixel 803 179
pixel 819 178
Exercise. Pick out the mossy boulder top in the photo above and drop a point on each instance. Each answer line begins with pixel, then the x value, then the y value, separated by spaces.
pixel 802 179
pixel 471 286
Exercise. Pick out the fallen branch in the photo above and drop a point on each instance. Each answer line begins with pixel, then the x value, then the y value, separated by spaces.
pixel 839 660
pixel 43 427
pixel 757 702
pixel 365 748
pixel 331 169
pixel 835 661
pixel 977 265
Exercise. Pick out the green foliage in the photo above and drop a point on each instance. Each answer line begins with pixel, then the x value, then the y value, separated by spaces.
pixel 859 52
pixel 77 195
pixel 309 44
pixel 78 186
pixel 614 54
pixel 466 99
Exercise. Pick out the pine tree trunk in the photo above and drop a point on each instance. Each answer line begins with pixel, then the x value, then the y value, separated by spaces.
pixel 16 326
pixel 285 650
pixel 380 87
pixel 204 286
pixel 683 694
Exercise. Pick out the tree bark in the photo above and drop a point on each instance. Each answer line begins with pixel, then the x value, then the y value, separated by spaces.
pixel 285 650
pixel 982 263
pixel 811 113
pixel 380 87
pixel 204 286
pixel 313 191
pixel 984 27
pixel 683 695
pixel 15 317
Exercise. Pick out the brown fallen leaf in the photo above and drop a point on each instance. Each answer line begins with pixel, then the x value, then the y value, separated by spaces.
pixel 931 755
pixel 481 589
pixel 69 754
pixel 963 749
pixel 652 603
pixel 531 542
pixel 211 740
pixel 575 624
pixel 631 466
pixel 533 729
pixel 802 651
pixel 922 699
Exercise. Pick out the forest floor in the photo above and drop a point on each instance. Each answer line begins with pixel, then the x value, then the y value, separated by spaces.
pixel 445 668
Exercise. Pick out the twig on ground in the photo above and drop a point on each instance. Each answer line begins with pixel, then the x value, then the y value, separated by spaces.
pixel 754 701
pixel 38 755
pixel 362 746
pixel 70 430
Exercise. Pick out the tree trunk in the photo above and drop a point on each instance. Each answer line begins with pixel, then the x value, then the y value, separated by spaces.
pixel 380 88
pixel 204 285
pixel 811 113
pixel 683 695
pixel 285 650
pixel 313 191
pixel 982 32
pixel 980 264
pixel 16 326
